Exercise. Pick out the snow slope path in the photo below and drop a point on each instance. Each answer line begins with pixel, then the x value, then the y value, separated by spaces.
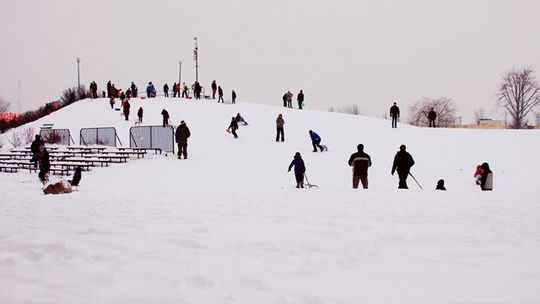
pixel 228 226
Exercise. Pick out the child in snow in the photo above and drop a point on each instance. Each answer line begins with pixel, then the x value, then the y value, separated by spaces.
pixel 440 185
pixel 299 169
pixel 478 174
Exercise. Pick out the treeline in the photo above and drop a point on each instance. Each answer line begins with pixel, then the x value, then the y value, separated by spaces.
pixel 68 97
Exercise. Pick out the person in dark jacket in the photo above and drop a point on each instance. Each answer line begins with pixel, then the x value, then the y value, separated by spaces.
pixel 76 177
pixel 486 182
pixel 360 161
pixel 220 94
pixel 165 115
pixel 394 114
pixel 233 100
pixel 34 148
pixel 182 135
pixel 284 98
pixel 299 169
pixel 432 116
pixel 214 88
pixel 166 90
pixel 133 90
pixel 279 128
pixel 403 162
pixel 315 141
pixel 126 107
pixel 300 99
pixel 233 127
pixel 140 114
pixel 44 164
pixel 185 91
pixel 440 185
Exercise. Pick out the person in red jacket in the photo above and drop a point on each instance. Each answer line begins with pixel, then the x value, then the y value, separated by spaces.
pixel 478 174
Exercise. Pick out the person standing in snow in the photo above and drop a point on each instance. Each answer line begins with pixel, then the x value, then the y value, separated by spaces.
pixel 360 161
pixel 214 88
pixel 299 169
pixel 394 114
pixel 34 148
pixel 166 90
pixel 233 96
pixel 182 135
pixel 431 117
pixel 300 99
pixel 289 99
pixel 315 141
pixel 233 127
pixel 486 182
pixel 284 98
pixel 174 90
pixel 279 128
pixel 133 90
pixel 140 114
pixel 44 164
pixel 403 162
pixel 185 91
pixel 165 115
pixel 126 107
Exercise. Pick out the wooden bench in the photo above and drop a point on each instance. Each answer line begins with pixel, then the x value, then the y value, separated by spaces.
pixel 90 161
pixel 111 158
pixel 87 149
pixel 72 165
pixel 156 150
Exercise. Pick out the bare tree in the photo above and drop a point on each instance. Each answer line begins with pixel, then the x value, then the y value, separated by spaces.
pixel 353 109
pixel 444 107
pixel 518 95
pixel 4 105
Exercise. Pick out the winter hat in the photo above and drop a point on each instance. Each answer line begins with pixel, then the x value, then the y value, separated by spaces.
pixel 360 147
pixel 182 122
pixel 297 154
pixel 402 148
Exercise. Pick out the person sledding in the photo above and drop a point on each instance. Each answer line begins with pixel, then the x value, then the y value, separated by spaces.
pixel 299 169
pixel 316 142
pixel 240 119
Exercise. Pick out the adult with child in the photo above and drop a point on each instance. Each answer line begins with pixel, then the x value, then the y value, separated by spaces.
pixel 360 161
pixel 182 135
pixel 486 181
pixel 299 169
pixel 280 134
pixel 403 161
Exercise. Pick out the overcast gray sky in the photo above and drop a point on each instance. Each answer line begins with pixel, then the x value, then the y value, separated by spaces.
pixel 339 52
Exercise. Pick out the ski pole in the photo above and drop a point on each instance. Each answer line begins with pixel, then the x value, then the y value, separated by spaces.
pixel 416 181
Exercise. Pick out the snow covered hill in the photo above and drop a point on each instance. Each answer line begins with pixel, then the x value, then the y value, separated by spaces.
pixel 228 226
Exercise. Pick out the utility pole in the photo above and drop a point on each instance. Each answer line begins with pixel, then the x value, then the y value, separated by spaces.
pixel 180 72
pixel 196 57
pixel 78 75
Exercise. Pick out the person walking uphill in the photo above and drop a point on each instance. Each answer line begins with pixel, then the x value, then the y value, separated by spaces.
pixel 220 94
pixel 279 128
pixel 486 181
pixel 182 134
pixel 394 114
pixel 299 169
pixel 316 141
pixel 165 115
pixel 432 116
pixel 360 161
pixel 403 162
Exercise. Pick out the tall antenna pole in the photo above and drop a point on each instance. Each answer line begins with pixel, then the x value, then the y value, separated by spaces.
pixel 196 57
pixel 180 72
pixel 78 75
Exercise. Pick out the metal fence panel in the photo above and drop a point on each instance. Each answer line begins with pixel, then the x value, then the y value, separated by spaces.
pixel 55 136
pixel 152 137
pixel 98 136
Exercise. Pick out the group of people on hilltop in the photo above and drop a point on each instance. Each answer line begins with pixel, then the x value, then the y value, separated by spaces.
pixel 287 99
pixel 394 115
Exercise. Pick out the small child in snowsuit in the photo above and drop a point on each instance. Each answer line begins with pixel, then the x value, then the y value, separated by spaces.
pixel 478 174
pixel 299 169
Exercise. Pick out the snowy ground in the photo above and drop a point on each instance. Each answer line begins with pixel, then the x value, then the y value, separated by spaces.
pixel 228 226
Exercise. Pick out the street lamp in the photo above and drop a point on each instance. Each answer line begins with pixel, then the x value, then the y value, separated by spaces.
pixel 78 74
pixel 180 72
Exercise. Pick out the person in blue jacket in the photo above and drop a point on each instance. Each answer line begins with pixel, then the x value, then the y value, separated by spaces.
pixel 315 141
pixel 299 169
